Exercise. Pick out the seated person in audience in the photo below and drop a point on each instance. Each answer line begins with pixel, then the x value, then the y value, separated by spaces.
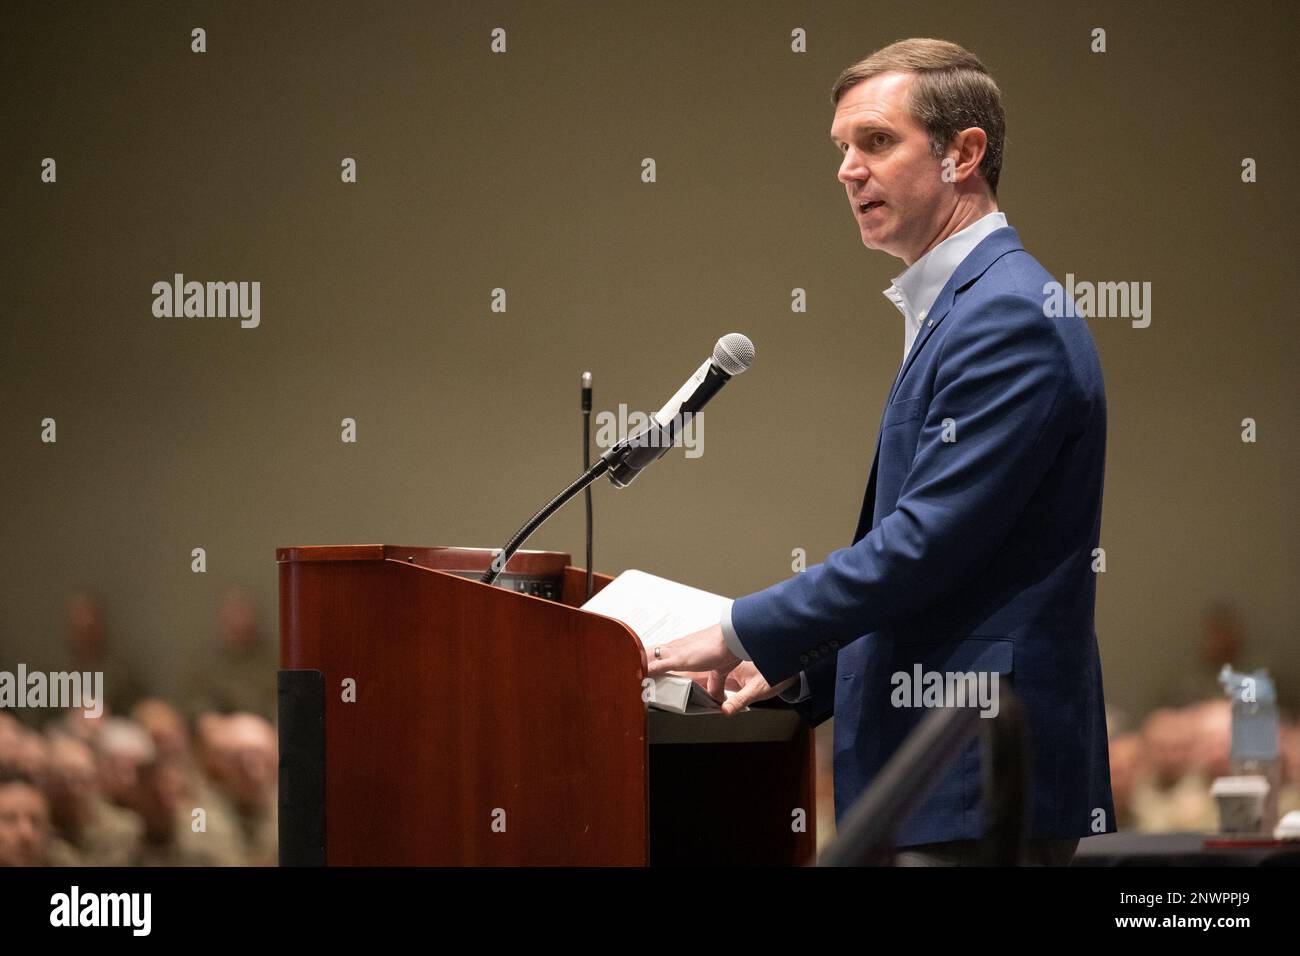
pixel 89 650
pixel 237 672
pixel 1174 794
pixel 24 821
pixel 174 834
pixel 1127 766
pixel 89 830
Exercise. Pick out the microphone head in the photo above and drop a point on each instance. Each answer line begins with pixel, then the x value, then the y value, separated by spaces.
pixel 733 353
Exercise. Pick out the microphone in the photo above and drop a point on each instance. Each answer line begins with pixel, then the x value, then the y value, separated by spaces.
pixel 732 354
pixel 624 461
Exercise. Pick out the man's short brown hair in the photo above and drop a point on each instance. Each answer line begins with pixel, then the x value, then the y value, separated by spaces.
pixel 952 92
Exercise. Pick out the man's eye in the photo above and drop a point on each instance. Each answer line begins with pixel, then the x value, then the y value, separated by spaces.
pixel 879 139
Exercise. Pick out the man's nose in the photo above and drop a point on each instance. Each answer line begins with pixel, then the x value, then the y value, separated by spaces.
pixel 851 169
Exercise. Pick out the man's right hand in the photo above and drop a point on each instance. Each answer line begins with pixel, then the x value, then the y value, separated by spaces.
pixel 750 687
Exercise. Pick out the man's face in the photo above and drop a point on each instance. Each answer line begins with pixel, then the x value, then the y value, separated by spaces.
pixel 24 825
pixel 887 162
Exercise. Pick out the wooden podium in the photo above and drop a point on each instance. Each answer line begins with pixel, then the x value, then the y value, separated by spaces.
pixel 428 719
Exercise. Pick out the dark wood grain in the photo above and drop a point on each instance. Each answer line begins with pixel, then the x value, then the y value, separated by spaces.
pixel 470 699
pixel 473 699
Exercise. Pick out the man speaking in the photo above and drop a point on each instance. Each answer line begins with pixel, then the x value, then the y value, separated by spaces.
pixel 974 551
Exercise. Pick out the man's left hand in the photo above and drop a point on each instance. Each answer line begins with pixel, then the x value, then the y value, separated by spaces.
pixel 704 650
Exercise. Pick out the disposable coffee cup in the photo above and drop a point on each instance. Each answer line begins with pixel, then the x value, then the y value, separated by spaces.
pixel 1241 803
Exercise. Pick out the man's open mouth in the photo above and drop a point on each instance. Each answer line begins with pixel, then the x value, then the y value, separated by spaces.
pixel 868 206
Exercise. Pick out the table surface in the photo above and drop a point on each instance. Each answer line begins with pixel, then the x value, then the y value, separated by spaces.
pixel 1177 849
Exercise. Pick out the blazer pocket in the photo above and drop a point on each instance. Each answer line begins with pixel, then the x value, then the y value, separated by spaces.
pixel 903 411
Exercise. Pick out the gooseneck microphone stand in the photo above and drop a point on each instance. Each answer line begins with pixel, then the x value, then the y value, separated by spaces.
pixel 616 458
pixel 499 562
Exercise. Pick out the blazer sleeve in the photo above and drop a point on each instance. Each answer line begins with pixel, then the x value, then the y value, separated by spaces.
pixel 1002 377
pixel 819 705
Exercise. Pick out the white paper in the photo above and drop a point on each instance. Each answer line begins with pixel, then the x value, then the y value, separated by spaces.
pixel 658 611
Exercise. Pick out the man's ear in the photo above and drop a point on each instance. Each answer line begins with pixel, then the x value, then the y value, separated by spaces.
pixel 966 152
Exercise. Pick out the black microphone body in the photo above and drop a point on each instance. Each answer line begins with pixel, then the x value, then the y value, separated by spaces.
pixel 632 454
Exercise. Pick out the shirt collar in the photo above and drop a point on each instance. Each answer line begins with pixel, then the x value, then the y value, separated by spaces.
pixel 915 290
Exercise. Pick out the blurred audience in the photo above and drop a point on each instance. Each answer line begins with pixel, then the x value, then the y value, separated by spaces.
pixel 173 832
pixel 1127 758
pixel 235 673
pixel 24 821
pixel 1171 792
pixel 143 784
pixel 139 792
pixel 88 829
pixel 152 782
pixel 89 649
pixel 122 747
pixel 1161 774
pixel 244 766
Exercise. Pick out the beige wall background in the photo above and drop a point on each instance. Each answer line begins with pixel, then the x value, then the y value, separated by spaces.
pixel 522 170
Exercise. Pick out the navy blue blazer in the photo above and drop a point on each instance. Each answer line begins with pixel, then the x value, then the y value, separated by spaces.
pixel 971 554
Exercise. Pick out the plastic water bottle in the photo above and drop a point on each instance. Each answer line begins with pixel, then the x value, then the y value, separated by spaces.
pixel 1254 732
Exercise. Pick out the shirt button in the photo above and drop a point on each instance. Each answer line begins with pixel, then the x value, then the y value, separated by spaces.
pixel 803 658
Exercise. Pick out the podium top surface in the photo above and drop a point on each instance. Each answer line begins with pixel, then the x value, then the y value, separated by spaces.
pixel 435 558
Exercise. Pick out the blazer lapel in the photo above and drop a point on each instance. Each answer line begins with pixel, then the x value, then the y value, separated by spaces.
pixel 995 245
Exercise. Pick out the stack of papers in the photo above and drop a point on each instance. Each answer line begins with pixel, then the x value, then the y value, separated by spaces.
pixel 658 611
